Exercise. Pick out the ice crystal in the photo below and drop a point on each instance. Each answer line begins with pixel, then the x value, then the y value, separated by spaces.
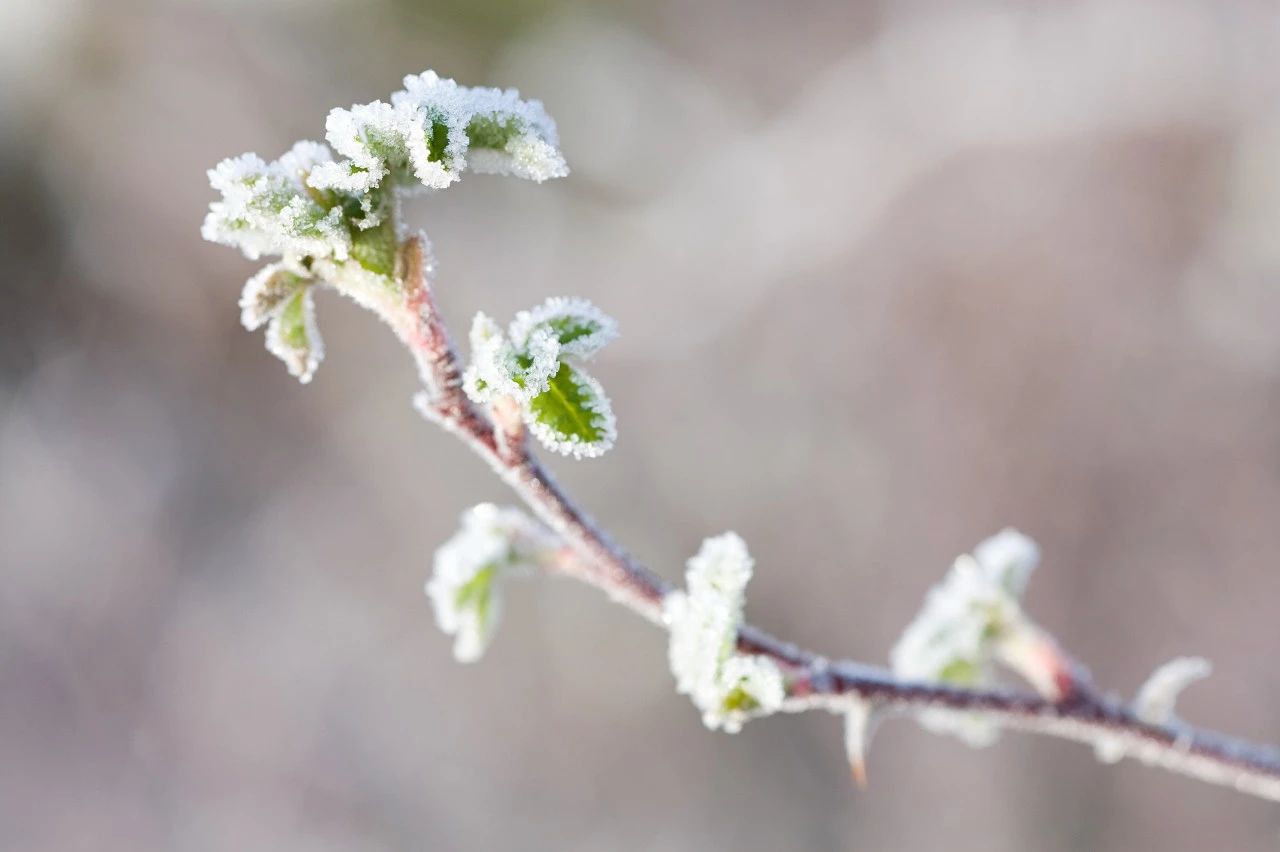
pixel 964 624
pixel 726 686
pixel 498 368
pixel 466 582
pixel 1158 695
pixel 266 209
pixel 537 363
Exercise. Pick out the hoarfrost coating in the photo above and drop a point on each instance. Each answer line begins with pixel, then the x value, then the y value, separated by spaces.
pixel 537 363
pixel 335 220
pixel 726 686
pixel 956 636
pixel 466 582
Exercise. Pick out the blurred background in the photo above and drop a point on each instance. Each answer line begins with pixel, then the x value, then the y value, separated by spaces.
pixel 891 275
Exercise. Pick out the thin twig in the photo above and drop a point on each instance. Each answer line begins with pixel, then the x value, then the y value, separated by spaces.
pixel 1083 714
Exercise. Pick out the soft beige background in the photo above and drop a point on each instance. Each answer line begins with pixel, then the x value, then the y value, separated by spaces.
pixel 890 276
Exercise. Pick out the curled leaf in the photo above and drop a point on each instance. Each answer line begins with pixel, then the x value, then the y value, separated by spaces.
pixel 292 335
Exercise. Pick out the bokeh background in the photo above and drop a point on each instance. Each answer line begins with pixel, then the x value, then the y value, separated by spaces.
pixel 890 275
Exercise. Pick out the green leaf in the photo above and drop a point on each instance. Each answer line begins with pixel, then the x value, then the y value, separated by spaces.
pixel 375 248
pixel 573 416
pixel 292 335
pixel 493 131
pixel 579 327
pixel 477 594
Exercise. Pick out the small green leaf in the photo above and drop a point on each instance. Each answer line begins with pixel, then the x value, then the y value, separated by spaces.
pixel 477 595
pixel 375 248
pixel 573 416
pixel 292 335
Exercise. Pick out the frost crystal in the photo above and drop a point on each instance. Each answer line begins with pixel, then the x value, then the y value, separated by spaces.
pixel 537 363
pixel 432 131
pixel 267 209
pixel 335 222
pixel 465 585
pixel 968 622
pixel 580 327
pixel 1158 695
pixel 726 686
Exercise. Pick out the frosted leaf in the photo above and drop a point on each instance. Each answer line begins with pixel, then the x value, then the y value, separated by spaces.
pixel 266 209
pixel 1156 698
pixel 966 621
pixel 564 407
pixel 466 582
pixel 579 327
pixel 429 134
pixel 498 369
pixel 572 416
pixel 404 142
pixel 266 292
pixel 502 134
pixel 726 686
pixel 749 685
pixel 292 335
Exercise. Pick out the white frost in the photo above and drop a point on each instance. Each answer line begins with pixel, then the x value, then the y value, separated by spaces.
pixel 726 686
pixel 957 635
pixel 466 582
pixel 543 346
pixel 266 209
pixel 432 131
pixel 582 328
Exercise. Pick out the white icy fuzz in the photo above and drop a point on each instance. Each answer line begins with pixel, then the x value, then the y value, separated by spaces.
pixel 1157 697
pixel 956 636
pixel 266 209
pixel 466 582
pixel 726 686
pixel 496 367
pixel 432 131
pixel 581 328
pixel 266 292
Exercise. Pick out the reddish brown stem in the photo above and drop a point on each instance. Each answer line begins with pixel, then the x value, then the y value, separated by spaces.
pixel 1081 714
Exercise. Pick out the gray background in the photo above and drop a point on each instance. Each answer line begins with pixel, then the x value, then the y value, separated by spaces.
pixel 890 276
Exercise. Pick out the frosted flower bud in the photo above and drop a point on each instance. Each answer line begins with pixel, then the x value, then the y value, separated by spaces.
pixel 267 210
pixel 704 620
pixel 466 582
pixel 969 621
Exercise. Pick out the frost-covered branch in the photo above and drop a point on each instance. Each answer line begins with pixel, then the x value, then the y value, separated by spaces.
pixel 335 223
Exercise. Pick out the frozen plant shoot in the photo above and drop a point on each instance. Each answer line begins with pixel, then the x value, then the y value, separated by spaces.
pixel 329 217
